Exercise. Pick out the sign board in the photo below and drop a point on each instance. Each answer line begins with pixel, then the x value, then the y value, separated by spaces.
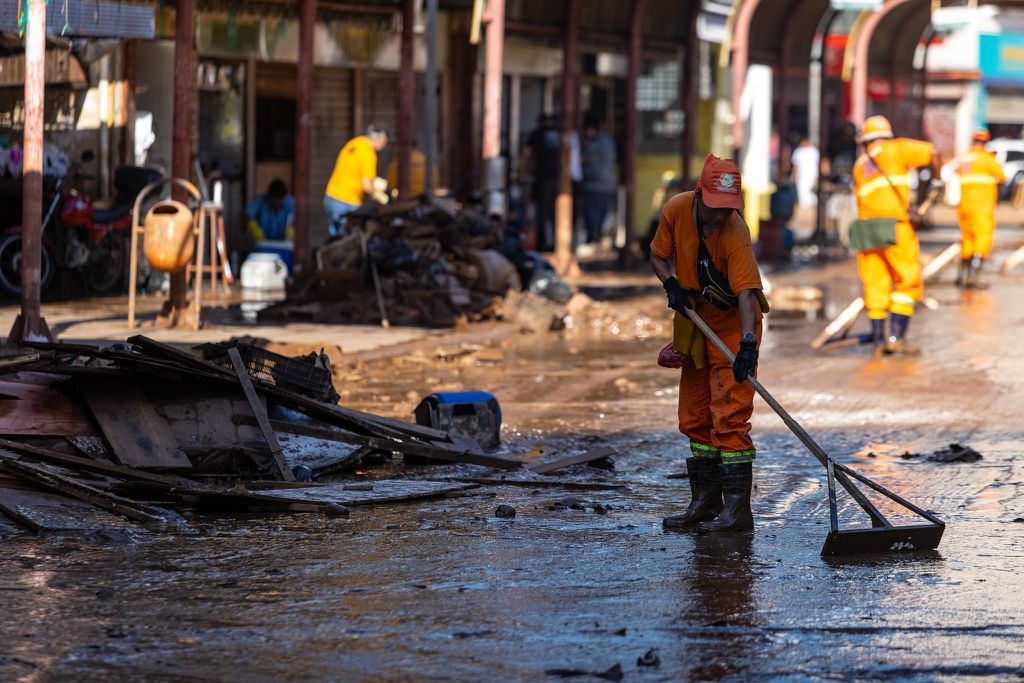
pixel 952 18
pixel 855 5
pixel 1001 57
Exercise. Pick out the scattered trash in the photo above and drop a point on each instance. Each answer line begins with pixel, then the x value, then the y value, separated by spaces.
pixel 505 512
pixel 600 509
pixel 612 674
pixel 953 453
pixel 649 658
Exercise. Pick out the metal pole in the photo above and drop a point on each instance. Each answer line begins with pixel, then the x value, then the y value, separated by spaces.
pixel 181 136
pixel 303 131
pixel 629 147
pixel 32 325
pixel 406 97
pixel 687 92
pixel 494 167
pixel 564 261
pixel 740 55
pixel 430 110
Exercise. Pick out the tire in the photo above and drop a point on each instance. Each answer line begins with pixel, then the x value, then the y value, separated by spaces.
pixel 106 271
pixel 10 265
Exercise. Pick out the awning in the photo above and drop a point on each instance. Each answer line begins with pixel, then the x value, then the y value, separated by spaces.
pixel 86 19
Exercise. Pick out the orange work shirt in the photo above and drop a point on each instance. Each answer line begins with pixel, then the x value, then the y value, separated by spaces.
pixel 730 249
pixel 876 197
pixel 980 178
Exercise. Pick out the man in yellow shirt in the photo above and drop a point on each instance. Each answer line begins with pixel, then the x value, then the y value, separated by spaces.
pixel 353 177
pixel 980 177
pixel 890 267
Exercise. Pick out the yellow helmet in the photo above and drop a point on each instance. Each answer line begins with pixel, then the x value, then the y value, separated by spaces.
pixel 876 128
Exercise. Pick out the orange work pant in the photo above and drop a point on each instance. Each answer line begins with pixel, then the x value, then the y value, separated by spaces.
pixel 892 276
pixel 976 229
pixel 715 409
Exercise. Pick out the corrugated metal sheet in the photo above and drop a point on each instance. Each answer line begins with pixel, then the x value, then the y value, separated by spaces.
pixel 91 19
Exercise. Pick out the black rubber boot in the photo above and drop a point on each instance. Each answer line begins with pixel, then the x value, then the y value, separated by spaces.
pixel 962 274
pixel 737 480
pixel 974 280
pixel 897 342
pixel 878 336
pixel 705 494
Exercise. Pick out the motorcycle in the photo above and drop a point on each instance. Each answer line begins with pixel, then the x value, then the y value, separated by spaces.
pixel 81 237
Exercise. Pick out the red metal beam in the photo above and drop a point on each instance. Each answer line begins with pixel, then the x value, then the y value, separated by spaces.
pixel 629 146
pixel 30 323
pixel 564 260
pixel 181 134
pixel 493 75
pixel 406 97
pixel 859 87
pixel 740 58
pixel 303 131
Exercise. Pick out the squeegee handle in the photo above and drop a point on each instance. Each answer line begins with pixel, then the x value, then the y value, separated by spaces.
pixel 800 433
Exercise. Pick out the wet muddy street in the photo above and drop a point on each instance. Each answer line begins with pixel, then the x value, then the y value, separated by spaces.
pixel 445 590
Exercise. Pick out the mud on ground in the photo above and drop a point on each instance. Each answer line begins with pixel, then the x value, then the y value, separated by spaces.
pixel 444 590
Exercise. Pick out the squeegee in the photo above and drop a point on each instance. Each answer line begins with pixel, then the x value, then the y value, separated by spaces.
pixel 882 536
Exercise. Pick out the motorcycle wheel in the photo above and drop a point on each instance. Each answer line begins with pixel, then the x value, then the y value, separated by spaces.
pixel 10 265
pixel 106 270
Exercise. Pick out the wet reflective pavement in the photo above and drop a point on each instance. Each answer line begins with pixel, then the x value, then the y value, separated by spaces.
pixel 443 590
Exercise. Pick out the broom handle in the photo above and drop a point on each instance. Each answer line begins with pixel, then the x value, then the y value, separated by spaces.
pixel 794 426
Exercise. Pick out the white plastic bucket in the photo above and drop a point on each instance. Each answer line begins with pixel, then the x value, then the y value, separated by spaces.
pixel 264 271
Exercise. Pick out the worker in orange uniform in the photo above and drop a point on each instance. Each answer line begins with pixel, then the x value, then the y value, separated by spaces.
pixel 354 178
pixel 703 256
pixel 980 177
pixel 888 258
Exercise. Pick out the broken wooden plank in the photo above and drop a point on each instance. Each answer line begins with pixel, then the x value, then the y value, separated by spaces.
pixel 570 460
pixel 409 447
pixel 42 476
pixel 40 409
pixel 539 483
pixel 260 413
pixel 136 432
pixel 45 512
pixel 384 491
pixel 110 469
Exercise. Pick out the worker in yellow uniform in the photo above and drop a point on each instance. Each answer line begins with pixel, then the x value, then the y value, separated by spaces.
pixel 980 177
pixel 887 249
pixel 354 177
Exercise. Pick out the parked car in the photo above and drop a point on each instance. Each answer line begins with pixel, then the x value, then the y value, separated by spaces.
pixel 1009 153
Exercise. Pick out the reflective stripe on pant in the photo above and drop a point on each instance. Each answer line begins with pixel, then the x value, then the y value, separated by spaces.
pixel 892 276
pixel 714 409
pixel 976 229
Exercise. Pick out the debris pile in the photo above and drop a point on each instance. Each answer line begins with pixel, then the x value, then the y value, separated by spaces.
pixel 419 262
pixel 110 439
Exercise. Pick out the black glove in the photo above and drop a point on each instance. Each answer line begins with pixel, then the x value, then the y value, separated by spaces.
pixel 746 361
pixel 679 299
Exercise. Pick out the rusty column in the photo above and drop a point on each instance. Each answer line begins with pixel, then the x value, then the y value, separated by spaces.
pixel 130 69
pixel 494 58
pixel 303 131
pixel 740 58
pixel 564 260
pixel 406 97
pixel 687 92
pixel 859 86
pixel 30 324
pixel 629 144
pixel 181 137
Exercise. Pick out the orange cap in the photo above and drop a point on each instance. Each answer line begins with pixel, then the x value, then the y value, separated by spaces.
pixel 719 184
pixel 982 135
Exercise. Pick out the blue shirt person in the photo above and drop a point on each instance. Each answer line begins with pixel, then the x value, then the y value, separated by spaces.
pixel 272 214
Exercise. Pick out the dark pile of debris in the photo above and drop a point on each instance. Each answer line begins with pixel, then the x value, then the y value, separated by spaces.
pixel 95 439
pixel 422 262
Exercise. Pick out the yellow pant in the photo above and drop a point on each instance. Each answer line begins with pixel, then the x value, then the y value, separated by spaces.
pixel 976 228
pixel 892 276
